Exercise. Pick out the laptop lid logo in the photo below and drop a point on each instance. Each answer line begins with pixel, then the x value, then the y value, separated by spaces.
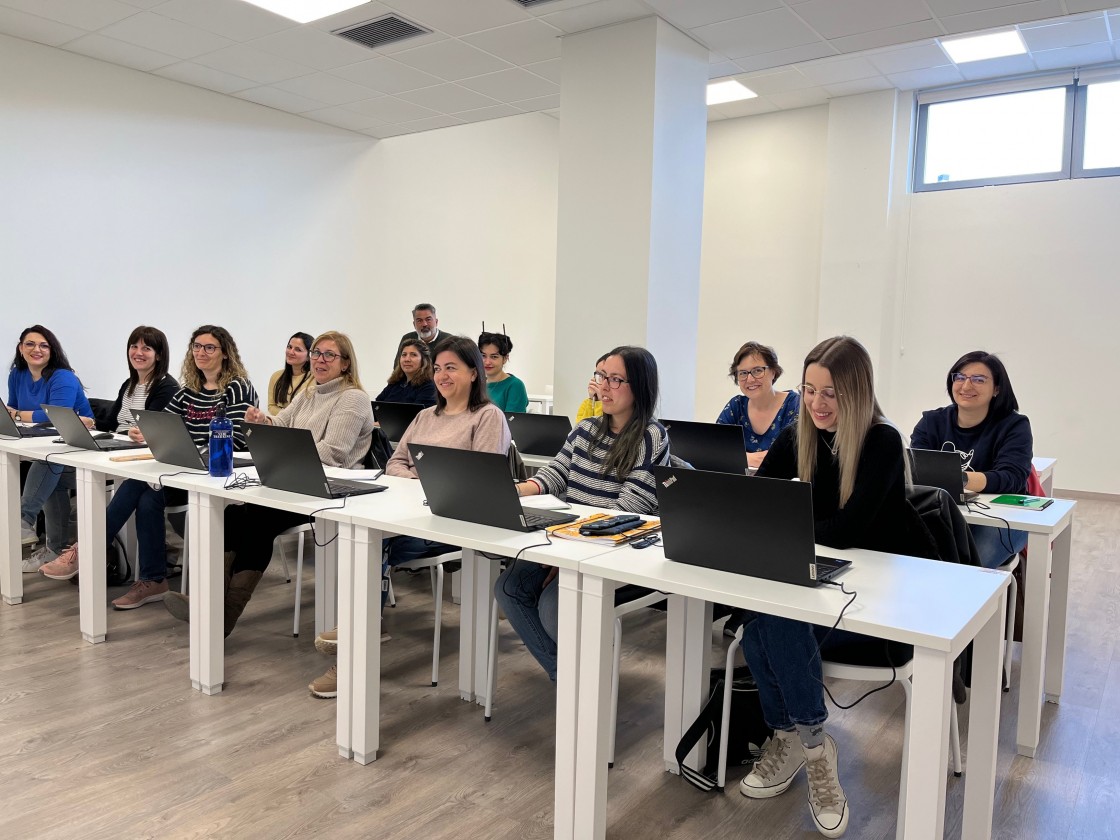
pixel 671 480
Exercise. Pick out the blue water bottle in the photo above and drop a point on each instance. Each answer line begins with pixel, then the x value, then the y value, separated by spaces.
pixel 221 444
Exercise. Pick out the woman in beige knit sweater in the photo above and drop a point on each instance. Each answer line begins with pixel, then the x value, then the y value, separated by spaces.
pixel 338 413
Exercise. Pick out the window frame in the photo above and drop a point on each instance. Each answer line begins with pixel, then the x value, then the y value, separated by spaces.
pixel 1078 159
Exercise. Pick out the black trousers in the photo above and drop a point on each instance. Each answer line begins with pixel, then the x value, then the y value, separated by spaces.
pixel 250 531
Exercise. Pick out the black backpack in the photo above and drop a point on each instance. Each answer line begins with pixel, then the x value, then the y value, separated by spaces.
pixel 747 731
pixel 118 572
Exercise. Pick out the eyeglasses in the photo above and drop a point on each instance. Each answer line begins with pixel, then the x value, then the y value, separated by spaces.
pixel 808 392
pixel 326 355
pixel 208 349
pixel 31 345
pixel 754 373
pixel 612 382
pixel 976 378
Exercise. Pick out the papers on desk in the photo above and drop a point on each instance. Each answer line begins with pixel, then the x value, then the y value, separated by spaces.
pixel 545 501
pixel 571 530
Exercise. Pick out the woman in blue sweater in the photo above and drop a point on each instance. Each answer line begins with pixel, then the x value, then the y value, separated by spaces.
pixel 761 409
pixel 984 426
pixel 41 375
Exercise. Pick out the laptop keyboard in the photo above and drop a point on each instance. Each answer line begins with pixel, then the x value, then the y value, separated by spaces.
pixel 342 487
pixel 537 519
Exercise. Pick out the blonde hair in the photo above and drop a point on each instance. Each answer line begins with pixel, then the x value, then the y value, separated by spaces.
pixel 231 365
pixel 346 350
pixel 857 410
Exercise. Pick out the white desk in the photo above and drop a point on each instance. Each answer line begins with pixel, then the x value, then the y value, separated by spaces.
pixel 1045 469
pixel 11 550
pixel 1049 534
pixel 937 607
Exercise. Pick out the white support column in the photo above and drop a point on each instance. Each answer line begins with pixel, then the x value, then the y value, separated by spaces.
pixel 983 725
pixel 927 756
pixel 365 657
pixel 207 590
pixel 326 575
pixel 567 703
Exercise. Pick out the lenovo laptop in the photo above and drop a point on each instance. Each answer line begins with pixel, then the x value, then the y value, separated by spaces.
pixel 171 443
pixel 940 468
pixel 716 447
pixel 706 517
pixel 75 433
pixel 286 459
pixel 9 428
pixel 394 418
pixel 538 434
pixel 477 487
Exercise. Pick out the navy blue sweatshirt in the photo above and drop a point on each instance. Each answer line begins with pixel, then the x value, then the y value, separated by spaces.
pixel 1001 449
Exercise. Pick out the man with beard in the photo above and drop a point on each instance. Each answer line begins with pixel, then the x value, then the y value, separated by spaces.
pixel 427 326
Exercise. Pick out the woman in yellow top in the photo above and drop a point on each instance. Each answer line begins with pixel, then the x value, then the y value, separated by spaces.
pixel 592 407
pixel 290 380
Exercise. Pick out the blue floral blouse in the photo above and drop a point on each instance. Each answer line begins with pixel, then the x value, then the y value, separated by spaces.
pixel 735 414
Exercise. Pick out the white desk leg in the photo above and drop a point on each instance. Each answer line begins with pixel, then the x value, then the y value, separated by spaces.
pixel 1036 617
pixel 922 811
pixel 344 710
pixel 91 559
pixel 207 591
pixel 470 619
pixel 1059 597
pixel 983 725
pixel 476 623
pixel 687 642
pixel 359 644
pixel 592 714
pixel 11 550
pixel 326 575
pixel 567 704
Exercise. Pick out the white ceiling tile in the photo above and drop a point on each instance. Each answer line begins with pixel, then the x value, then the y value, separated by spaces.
pixel 755 34
pixel 1003 16
pixel 350 17
pixel 389 109
pixel 833 70
pixel 1010 65
pixel 554 6
pixel 326 88
pixel 494 112
pixel 382 132
pixel 1054 36
pixel 723 69
pixel 447 98
pixel 511 85
pixel 944 8
pixel 916 57
pixel 313 47
pixel 118 52
pixel 459 17
pixel 716 116
pixel 540 103
pixel 931 77
pixel 342 118
pixel 40 30
pixel 451 60
pixel 549 69
pixel 239 21
pixel 143 4
pixel 747 108
pixel 779 81
pixel 165 35
pixel 888 37
pixel 799 98
pixel 602 13
pixel 89 15
pixel 249 63
pixel 835 20
pixel 692 13
pixel 386 75
pixel 858 86
pixel 520 43
pixel 1073 56
pixel 431 123
pixel 279 99
pixel 205 77
pixel 792 55
pixel 1076 6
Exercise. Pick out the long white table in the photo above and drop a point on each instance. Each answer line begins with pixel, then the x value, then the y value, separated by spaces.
pixel 936 607
pixel 1041 672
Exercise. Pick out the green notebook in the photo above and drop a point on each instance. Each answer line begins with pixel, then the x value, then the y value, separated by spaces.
pixel 1024 502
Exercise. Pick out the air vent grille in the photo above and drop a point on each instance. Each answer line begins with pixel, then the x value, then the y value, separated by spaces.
pixel 528 3
pixel 387 29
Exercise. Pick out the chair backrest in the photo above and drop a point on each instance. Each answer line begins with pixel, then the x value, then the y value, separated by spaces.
pixel 102 414
pixel 945 523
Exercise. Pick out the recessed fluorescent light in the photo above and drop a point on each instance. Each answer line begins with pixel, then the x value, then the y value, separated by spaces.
pixel 303 11
pixel 981 47
pixel 728 90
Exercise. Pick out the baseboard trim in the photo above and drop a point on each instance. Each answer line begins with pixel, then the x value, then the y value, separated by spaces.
pixel 1087 495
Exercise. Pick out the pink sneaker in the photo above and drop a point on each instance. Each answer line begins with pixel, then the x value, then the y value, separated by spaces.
pixel 142 592
pixel 63 567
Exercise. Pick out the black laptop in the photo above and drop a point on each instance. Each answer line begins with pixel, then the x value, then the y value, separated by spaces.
pixel 538 434
pixel 75 433
pixel 716 447
pixel 167 436
pixel 940 468
pixel 707 517
pixel 9 428
pixel 394 417
pixel 286 459
pixel 477 487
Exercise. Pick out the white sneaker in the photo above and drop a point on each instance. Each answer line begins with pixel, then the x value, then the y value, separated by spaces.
pixel 37 558
pixel 827 802
pixel 27 535
pixel 775 771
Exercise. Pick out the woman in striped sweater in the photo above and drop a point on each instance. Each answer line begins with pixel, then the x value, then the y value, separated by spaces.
pixel 606 462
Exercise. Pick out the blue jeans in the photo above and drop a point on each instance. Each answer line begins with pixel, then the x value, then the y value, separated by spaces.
pixel 996 545
pixel 397 550
pixel 532 609
pixel 148 504
pixel 47 489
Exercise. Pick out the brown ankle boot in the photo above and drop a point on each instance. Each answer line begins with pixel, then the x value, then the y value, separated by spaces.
pixel 241 586
pixel 179 604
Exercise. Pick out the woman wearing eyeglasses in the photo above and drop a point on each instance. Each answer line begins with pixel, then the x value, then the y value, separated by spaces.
pixel 606 462
pixel 855 460
pixel 761 409
pixel 993 439
pixel 286 383
pixel 337 412
pixel 212 377
pixel 411 379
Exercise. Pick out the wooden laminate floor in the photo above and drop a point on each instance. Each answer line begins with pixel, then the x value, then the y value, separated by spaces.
pixel 109 741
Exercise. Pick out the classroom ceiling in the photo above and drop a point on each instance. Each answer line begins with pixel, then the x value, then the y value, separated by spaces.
pixel 486 59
